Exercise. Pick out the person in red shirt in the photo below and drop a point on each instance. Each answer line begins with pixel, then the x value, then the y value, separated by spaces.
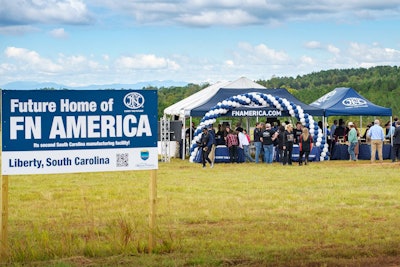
pixel 232 143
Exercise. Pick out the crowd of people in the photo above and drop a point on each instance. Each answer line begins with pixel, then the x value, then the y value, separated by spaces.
pixel 268 139
pixel 278 139
pixel 374 134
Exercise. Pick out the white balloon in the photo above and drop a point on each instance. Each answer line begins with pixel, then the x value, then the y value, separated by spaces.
pixel 319 139
pixel 318 144
pixel 323 154
pixel 302 120
pixel 325 149
pixel 321 159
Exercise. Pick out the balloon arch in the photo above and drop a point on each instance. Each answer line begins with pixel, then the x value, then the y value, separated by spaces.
pixel 260 100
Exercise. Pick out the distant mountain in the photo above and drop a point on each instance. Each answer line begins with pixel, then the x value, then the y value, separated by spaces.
pixel 30 85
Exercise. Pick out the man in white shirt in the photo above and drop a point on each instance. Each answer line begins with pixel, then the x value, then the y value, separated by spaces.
pixel 245 145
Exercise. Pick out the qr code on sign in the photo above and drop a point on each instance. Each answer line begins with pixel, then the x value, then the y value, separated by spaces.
pixel 123 160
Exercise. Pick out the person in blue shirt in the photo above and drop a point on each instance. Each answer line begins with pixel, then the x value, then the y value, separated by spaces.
pixel 389 130
pixel 211 144
pixel 377 137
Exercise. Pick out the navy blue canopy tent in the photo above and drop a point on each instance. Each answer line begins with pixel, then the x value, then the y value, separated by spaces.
pixel 225 93
pixel 345 101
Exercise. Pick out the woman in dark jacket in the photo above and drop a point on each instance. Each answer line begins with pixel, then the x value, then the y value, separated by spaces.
pixel 305 146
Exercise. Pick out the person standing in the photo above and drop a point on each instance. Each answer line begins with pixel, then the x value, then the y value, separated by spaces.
pixel 289 140
pixel 377 137
pixel 190 133
pixel 244 145
pixel 232 143
pixel 212 144
pixel 396 143
pixel 395 119
pixel 353 140
pixel 268 137
pixel 281 143
pixel 332 135
pixel 389 130
pixel 305 146
pixel 257 141
pixel 297 132
pixel 220 136
pixel 357 148
pixel 205 145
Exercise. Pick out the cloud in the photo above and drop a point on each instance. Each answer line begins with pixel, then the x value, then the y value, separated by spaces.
pixel 313 45
pixel 327 47
pixel 373 54
pixel 333 49
pixel 260 54
pixel 192 13
pixel 143 62
pixel 24 12
pixel 17 30
pixel 307 60
pixel 203 13
pixel 209 18
pixel 59 33
pixel 32 60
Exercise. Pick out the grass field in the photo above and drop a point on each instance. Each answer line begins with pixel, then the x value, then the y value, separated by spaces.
pixel 336 213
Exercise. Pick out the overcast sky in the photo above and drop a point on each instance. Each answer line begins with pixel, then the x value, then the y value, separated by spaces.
pixel 83 42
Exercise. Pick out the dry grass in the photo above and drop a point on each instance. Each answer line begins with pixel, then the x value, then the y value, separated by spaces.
pixel 334 213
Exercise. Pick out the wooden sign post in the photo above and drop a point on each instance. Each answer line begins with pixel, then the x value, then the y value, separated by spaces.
pixel 152 215
pixel 4 217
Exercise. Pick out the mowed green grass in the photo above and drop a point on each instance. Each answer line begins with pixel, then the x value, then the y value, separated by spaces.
pixel 336 213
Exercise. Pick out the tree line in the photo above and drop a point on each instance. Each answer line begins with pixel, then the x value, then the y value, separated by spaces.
pixel 380 85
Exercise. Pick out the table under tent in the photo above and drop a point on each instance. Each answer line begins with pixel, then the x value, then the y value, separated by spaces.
pixel 345 101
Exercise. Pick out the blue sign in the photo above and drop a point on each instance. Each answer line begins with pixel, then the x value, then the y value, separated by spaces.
pixel 43 121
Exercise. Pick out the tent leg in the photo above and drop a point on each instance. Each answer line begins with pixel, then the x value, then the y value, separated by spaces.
pixel 183 148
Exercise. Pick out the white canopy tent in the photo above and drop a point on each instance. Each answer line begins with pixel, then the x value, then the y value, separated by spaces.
pixel 183 107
